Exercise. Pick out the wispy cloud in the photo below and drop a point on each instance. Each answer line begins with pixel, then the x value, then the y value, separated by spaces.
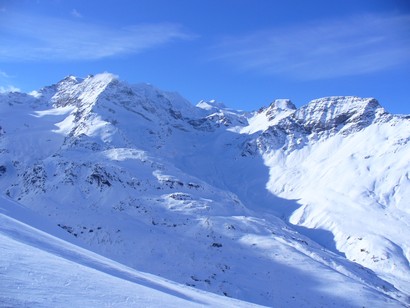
pixel 6 89
pixel 4 83
pixel 4 75
pixel 76 13
pixel 33 38
pixel 333 48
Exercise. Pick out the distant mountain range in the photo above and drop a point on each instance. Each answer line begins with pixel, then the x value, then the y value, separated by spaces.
pixel 284 206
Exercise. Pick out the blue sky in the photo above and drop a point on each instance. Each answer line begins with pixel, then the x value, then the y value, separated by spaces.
pixel 244 53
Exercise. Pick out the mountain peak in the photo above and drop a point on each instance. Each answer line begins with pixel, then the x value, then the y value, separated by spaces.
pixel 211 105
pixel 89 81
pixel 343 103
pixel 101 78
pixel 282 104
pixel 73 90
pixel 331 112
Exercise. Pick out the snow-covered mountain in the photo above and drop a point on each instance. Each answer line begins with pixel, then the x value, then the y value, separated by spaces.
pixel 281 206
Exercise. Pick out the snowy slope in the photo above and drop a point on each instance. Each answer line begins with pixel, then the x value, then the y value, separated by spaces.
pixel 40 270
pixel 263 206
pixel 350 173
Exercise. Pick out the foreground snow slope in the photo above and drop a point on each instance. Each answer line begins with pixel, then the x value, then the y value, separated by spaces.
pixel 267 207
pixel 40 270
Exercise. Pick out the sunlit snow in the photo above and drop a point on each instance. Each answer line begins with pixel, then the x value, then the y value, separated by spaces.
pixel 280 207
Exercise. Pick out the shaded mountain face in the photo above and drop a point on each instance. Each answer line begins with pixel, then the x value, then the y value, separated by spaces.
pixel 272 206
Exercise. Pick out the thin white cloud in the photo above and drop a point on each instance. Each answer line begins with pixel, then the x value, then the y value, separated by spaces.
pixel 4 75
pixel 9 88
pixel 335 48
pixel 4 83
pixel 76 13
pixel 33 38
